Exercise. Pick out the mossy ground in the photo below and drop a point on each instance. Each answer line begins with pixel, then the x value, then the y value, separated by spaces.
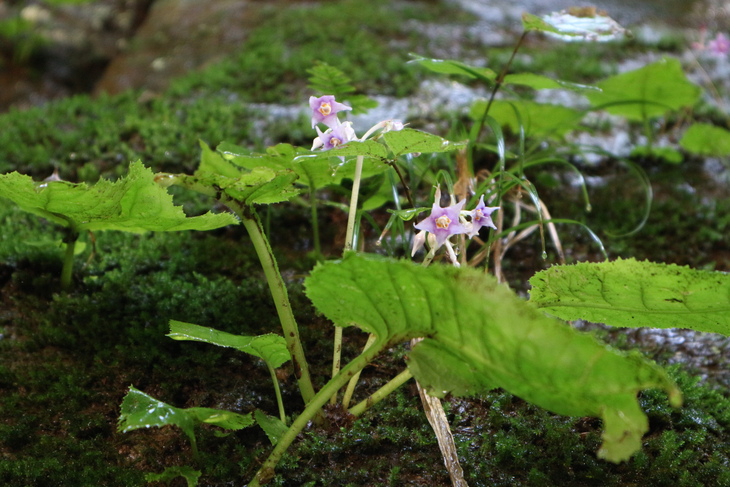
pixel 66 360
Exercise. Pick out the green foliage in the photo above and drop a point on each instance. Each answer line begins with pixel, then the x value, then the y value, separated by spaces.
pixel 326 79
pixel 706 140
pixel 539 120
pixel 190 475
pixel 633 293
pixel 270 347
pixel 480 336
pixel 140 410
pixel 133 204
pixel 273 427
pixel 651 91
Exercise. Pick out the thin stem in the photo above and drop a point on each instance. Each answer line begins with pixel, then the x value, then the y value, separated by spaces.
pixel 68 259
pixel 278 290
pixel 349 239
pixel 315 223
pixel 252 222
pixel 266 472
pixel 498 84
pixel 381 393
pixel 277 391
pixel 353 382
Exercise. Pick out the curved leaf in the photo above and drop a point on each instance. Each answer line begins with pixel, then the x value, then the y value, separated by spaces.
pixel 480 335
pixel 135 203
pixel 706 140
pixel 633 293
pixel 140 410
pixel 270 347
pixel 409 141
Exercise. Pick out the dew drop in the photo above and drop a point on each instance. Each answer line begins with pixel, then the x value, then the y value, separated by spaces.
pixel 544 255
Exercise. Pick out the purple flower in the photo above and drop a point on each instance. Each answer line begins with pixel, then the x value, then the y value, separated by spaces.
pixel 324 110
pixel 443 222
pixel 719 46
pixel 481 217
pixel 334 137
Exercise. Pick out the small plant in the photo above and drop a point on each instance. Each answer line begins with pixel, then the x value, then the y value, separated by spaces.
pixel 468 333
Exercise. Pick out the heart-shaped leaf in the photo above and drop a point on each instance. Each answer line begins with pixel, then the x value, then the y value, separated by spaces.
pixel 479 335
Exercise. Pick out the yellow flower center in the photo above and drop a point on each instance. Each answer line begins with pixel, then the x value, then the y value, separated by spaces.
pixel 478 215
pixel 325 109
pixel 334 141
pixel 443 222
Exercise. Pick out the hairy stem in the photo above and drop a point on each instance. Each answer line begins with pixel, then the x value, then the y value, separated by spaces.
pixel 278 290
pixel 266 472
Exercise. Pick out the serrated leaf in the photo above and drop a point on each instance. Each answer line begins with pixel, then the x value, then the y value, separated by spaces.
pixel 269 347
pixel 140 410
pixel 479 335
pixel 313 169
pixel 273 427
pixel 650 91
pixel 135 203
pixel 633 293
pixel 539 119
pixel 262 184
pixel 706 140
pixel 408 141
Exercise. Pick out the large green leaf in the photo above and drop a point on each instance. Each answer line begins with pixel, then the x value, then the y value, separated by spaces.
pixel 135 203
pixel 706 140
pixel 538 119
pixel 575 24
pixel 270 347
pixel 479 335
pixel 633 293
pixel 140 410
pixel 408 141
pixel 650 91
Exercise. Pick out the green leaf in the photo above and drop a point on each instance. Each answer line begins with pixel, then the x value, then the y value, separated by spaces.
pixel 448 66
pixel 273 427
pixel 651 91
pixel 265 183
pixel 140 410
pixel 575 24
pixel 633 293
pixel 314 169
pixel 479 335
pixel 270 347
pixel 667 154
pixel 540 82
pixel 409 141
pixel 190 475
pixel 706 140
pixel 539 119
pixel 135 203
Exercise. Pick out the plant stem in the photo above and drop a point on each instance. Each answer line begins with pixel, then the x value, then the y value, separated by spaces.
pixel 349 244
pixel 68 258
pixel 252 222
pixel 315 223
pixel 266 472
pixel 353 382
pixel 381 393
pixel 277 391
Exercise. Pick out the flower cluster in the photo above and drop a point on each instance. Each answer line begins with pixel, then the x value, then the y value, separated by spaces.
pixel 443 222
pixel 324 111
